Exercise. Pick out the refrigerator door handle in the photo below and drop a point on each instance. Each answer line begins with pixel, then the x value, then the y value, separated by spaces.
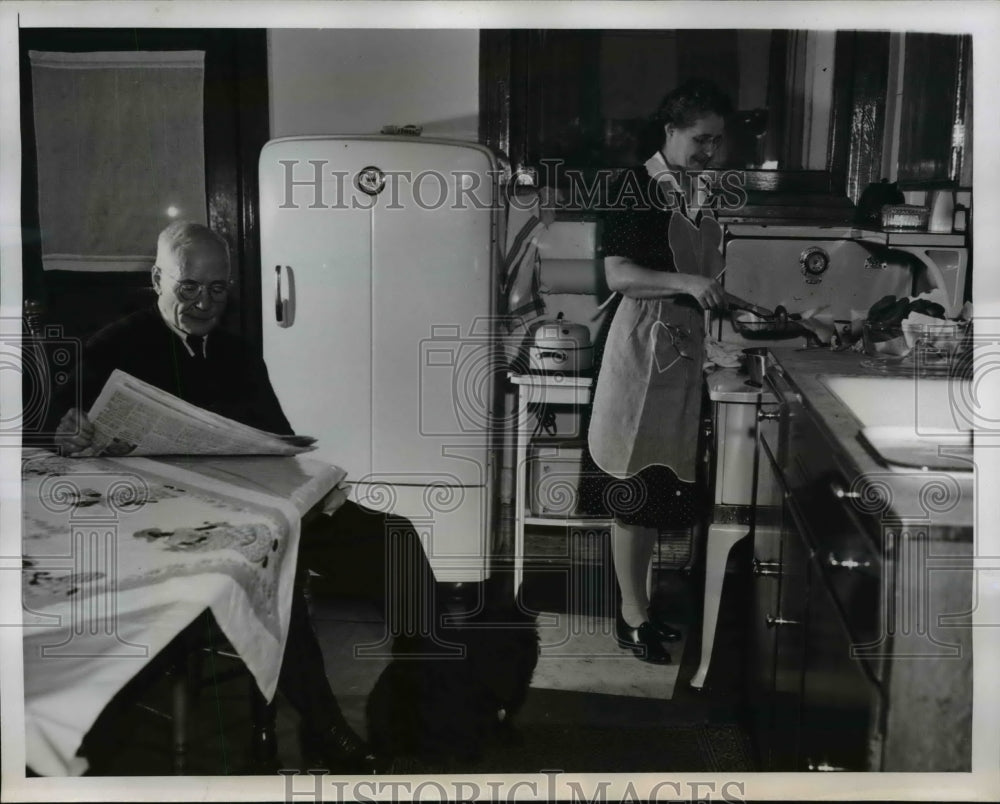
pixel 280 305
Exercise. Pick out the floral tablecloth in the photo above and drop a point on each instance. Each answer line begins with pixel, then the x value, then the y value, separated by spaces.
pixel 120 555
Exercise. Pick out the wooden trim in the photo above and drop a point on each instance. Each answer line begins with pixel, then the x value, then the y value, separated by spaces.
pixel 522 47
pixel 777 70
pixel 494 89
pixel 33 283
pixel 253 130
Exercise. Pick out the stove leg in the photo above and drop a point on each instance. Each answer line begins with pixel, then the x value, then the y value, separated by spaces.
pixel 721 539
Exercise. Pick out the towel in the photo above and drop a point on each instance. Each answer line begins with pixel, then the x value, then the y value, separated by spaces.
pixel 724 355
pixel 520 279
pixel 120 141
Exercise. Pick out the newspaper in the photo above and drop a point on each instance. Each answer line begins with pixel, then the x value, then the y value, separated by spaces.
pixel 131 417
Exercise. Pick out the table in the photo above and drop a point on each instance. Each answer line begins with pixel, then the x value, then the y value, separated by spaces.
pixel 120 555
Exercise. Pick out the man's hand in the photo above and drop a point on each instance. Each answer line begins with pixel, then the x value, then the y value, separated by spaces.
pixel 336 498
pixel 75 432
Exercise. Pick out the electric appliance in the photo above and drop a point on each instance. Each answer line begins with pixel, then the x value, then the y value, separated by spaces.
pixel 380 300
pixel 560 346
pixel 835 271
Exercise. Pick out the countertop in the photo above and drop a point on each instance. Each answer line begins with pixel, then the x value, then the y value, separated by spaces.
pixel 943 500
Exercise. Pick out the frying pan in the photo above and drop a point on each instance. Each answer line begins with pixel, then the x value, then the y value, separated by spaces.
pixel 771 324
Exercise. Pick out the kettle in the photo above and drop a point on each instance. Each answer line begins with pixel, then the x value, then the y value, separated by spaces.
pixel 560 346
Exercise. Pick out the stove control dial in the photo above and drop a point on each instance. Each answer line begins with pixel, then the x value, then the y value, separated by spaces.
pixel 814 261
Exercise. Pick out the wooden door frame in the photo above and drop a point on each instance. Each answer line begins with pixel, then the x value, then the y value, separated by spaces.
pixel 236 122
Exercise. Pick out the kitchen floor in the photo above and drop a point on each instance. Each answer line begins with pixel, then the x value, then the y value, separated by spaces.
pixel 580 715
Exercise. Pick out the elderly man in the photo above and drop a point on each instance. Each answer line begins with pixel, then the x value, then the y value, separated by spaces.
pixel 178 347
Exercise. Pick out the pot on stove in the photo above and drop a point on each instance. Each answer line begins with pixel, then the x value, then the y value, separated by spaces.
pixel 560 346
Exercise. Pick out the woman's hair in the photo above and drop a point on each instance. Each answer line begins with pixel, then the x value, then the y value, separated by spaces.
pixel 693 100
pixel 682 107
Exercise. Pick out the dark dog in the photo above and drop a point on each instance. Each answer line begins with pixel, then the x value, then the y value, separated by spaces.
pixel 442 700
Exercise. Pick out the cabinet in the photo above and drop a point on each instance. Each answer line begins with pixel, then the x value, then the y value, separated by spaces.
pixel 534 390
pixel 860 655
pixel 815 705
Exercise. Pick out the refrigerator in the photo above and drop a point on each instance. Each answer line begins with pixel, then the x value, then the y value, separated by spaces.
pixel 379 293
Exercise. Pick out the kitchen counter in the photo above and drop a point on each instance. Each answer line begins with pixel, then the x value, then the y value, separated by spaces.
pixel 941 499
pixel 861 653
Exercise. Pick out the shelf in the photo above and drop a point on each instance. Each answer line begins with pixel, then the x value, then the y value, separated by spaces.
pixel 554 380
pixel 846 231
pixel 574 522
pixel 911 238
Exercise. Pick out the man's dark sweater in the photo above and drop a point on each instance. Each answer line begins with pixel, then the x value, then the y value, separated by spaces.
pixel 227 380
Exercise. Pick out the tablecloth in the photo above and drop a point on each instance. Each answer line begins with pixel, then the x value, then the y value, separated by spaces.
pixel 120 555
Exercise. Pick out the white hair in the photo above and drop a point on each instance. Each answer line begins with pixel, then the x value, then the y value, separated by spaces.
pixel 179 237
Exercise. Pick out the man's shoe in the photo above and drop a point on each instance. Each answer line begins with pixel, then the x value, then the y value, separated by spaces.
pixel 338 750
pixel 663 629
pixel 642 641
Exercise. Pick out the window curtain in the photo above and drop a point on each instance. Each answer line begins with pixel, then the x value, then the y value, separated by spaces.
pixel 120 145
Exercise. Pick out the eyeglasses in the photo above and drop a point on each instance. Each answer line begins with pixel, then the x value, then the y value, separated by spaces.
pixel 189 290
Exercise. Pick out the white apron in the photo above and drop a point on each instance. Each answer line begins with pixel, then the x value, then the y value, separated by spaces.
pixel 647 403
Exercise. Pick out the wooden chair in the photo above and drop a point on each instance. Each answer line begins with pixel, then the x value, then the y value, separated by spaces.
pixel 198 653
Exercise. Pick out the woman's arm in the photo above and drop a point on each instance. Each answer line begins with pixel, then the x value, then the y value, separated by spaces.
pixel 631 279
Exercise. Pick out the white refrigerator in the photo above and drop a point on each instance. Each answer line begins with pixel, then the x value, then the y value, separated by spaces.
pixel 379 259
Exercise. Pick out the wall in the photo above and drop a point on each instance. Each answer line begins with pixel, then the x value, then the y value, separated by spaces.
pixel 355 81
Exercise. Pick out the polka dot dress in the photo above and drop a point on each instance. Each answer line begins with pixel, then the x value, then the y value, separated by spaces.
pixel 655 496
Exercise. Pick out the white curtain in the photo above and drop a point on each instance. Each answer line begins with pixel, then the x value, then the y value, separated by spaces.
pixel 120 148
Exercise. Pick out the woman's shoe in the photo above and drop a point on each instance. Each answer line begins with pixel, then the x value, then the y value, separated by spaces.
pixel 642 641
pixel 663 629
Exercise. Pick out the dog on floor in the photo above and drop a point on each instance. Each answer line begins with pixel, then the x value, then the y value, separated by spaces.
pixel 442 701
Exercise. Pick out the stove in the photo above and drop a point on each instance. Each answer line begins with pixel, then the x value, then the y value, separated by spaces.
pixel 838 272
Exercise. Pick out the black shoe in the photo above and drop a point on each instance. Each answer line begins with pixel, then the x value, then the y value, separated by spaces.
pixel 663 629
pixel 338 750
pixel 642 641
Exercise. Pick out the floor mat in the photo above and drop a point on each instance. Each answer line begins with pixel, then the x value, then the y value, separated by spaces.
pixel 579 654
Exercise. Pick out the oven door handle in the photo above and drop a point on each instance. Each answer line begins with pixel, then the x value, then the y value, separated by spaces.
pixel 772 415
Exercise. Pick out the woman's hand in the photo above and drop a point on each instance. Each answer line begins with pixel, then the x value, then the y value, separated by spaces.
pixel 75 432
pixel 707 292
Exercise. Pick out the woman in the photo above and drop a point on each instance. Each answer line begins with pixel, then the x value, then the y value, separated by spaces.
pixel 662 258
